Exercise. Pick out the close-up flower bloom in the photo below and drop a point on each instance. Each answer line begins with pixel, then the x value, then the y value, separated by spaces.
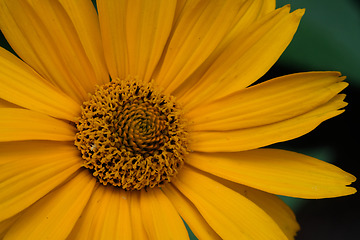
pixel 126 120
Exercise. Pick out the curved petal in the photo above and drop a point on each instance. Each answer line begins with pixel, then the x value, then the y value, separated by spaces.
pixel 22 86
pixel 134 35
pixel 199 29
pixel 252 138
pixel 106 216
pixel 189 213
pixel 230 214
pixel 271 204
pixel 53 216
pixel 26 179
pixel 21 124
pixel 44 35
pixel 160 219
pixel 249 12
pixel 248 57
pixel 277 171
pixel 269 102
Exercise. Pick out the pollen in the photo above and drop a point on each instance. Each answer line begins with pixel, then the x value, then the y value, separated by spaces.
pixel 131 135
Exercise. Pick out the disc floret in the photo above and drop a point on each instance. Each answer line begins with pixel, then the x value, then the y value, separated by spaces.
pixel 131 135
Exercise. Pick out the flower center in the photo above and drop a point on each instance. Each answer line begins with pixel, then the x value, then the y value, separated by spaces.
pixel 130 135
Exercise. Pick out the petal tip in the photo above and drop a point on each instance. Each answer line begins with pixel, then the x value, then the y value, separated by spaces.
pixel 350 191
pixel 351 178
pixel 299 13
pixel 342 78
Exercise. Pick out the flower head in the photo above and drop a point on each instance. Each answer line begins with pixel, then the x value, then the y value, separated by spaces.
pixel 122 122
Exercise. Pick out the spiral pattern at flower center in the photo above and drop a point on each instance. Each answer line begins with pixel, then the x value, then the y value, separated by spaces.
pixel 130 135
pixel 140 129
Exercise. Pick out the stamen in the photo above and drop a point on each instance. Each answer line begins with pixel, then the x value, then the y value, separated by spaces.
pixel 132 136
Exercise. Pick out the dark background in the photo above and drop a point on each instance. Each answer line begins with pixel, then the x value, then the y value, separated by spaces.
pixel 328 39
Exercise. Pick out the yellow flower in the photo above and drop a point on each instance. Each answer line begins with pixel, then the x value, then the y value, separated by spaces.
pixel 122 122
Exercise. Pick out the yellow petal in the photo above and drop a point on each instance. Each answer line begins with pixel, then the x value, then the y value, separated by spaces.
pixel 160 218
pixel 189 213
pixel 246 58
pixel 23 86
pixel 53 216
pixel 44 36
pixel 26 179
pixel 85 226
pixel 272 101
pixel 116 222
pixel 6 104
pixel 179 7
pixel 112 14
pixel 134 35
pixel 252 138
pixel 138 229
pixel 199 29
pixel 85 19
pixel 148 25
pixel 277 171
pixel 249 12
pixel 20 124
pixel 15 151
pixel 271 204
pixel 267 6
pixel 6 224
pixel 230 214
pixel 106 216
